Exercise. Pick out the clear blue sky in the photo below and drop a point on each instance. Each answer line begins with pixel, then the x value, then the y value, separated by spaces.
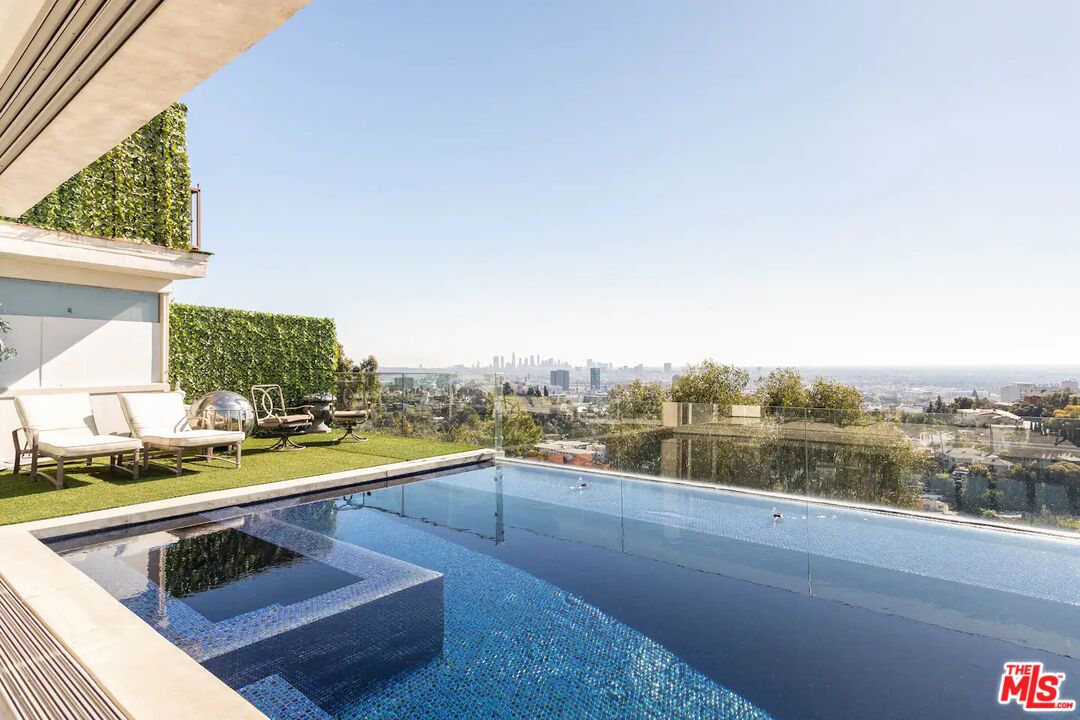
pixel 759 182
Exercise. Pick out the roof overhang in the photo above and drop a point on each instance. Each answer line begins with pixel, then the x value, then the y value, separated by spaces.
pixel 26 245
pixel 79 76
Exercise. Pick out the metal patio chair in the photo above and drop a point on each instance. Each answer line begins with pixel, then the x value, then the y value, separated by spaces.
pixel 348 420
pixel 272 417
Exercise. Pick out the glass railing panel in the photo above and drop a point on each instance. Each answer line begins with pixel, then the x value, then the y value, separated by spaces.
pixel 862 458
pixel 451 407
pixel 973 471
pixel 984 465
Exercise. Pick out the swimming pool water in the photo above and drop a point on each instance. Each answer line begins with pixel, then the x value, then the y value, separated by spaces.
pixel 522 592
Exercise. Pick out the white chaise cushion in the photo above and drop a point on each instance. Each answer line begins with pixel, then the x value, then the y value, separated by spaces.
pixel 64 423
pixel 193 439
pixel 77 444
pixel 68 412
pixel 158 413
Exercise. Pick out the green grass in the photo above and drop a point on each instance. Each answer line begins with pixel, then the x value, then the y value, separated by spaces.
pixel 94 488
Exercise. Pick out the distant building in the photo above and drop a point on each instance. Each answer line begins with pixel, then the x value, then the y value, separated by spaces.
pixel 984 417
pixel 667 367
pixel 594 378
pixel 1017 391
pixel 965 457
pixel 495 361
pixel 561 378
pixel 573 452
pixel 934 502
pixel 1073 385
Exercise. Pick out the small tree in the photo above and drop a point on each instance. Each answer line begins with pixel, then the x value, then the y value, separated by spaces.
pixel 518 427
pixel 840 402
pixel 636 399
pixel 711 382
pixel 782 388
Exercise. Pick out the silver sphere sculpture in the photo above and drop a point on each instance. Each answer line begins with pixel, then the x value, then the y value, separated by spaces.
pixel 224 410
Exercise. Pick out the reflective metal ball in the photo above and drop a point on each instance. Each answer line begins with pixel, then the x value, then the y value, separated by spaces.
pixel 224 410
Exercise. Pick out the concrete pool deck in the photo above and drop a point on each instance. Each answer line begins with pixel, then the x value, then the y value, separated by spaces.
pixel 139 671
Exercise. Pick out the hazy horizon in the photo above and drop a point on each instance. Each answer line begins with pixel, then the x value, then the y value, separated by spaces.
pixel 813 184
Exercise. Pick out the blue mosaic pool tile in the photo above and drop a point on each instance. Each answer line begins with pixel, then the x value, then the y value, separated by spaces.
pixel 518 647
pixel 380 576
pixel 278 700
pixel 169 616
pixel 432 630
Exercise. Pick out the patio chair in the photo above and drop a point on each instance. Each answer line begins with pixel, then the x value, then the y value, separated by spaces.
pixel 349 419
pixel 62 427
pixel 161 421
pixel 272 417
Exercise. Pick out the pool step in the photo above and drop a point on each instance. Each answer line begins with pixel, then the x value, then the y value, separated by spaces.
pixel 278 700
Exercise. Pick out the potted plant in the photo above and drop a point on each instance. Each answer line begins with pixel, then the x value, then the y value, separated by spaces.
pixel 6 351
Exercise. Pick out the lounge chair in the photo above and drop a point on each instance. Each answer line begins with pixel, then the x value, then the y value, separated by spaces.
pixel 272 417
pixel 62 427
pixel 161 421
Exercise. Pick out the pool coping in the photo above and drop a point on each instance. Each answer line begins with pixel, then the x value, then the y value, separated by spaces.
pixel 966 522
pixel 118 649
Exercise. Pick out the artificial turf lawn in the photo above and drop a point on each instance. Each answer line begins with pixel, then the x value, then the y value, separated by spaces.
pixel 94 488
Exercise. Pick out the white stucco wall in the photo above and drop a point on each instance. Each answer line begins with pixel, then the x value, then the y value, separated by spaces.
pixel 102 357
pixel 79 352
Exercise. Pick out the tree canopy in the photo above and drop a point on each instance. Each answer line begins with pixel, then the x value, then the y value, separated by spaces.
pixel 711 382
pixel 831 395
pixel 636 399
pixel 782 388
pixel 1069 411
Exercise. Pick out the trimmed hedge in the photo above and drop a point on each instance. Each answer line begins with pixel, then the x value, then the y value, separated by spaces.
pixel 139 190
pixel 221 349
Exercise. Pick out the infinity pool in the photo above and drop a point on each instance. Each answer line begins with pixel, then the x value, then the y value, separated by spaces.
pixel 514 591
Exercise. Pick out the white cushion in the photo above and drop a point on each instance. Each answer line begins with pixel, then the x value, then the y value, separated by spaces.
pixel 64 411
pixel 158 414
pixel 76 444
pixel 193 438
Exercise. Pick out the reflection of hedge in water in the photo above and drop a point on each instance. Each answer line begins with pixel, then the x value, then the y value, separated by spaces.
pixel 203 562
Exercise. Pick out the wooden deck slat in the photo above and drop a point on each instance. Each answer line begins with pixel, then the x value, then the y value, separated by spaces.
pixel 39 678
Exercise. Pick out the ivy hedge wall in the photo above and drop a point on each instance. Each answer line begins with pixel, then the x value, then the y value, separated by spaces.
pixel 220 349
pixel 139 190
